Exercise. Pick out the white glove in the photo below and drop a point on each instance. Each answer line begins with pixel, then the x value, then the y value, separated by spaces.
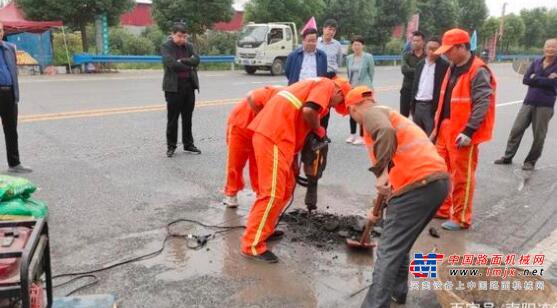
pixel 463 141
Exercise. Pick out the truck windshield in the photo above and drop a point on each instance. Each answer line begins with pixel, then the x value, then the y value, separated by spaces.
pixel 252 36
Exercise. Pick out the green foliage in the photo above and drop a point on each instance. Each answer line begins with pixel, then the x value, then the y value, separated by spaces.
pixel 390 13
pixel 122 42
pixel 75 13
pixel 488 29
pixel 59 50
pixel 296 11
pixel 437 16
pixel 155 35
pixel 513 30
pixel 551 29
pixel 535 21
pixel 394 46
pixel 354 17
pixel 199 15
pixel 471 14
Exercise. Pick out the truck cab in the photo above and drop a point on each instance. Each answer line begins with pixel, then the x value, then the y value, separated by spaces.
pixel 266 46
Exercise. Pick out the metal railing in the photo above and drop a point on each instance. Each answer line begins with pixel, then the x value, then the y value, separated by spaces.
pixel 80 59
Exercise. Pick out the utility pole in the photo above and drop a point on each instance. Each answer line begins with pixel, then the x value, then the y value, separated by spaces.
pixel 499 35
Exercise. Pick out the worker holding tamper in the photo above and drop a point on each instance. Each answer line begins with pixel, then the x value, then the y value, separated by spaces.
pixel 410 171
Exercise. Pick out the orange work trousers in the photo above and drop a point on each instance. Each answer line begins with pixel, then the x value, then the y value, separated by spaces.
pixel 276 186
pixel 240 150
pixel 461 163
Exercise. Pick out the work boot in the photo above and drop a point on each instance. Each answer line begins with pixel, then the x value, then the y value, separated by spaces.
pixel 20 169
pixel 277 235
pixel 192 149
pixel 528 166
pixel 266 257
pixel 503 161
pixel 231 202
pixel 170 151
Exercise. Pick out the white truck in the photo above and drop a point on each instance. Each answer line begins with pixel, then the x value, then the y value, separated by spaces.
pixel 266 46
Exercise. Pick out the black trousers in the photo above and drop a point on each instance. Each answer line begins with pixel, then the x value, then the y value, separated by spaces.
pixel 354 126
pixel 407 216
pixel 178 104
pixel 8 113
pixel 405 101
pixel 424 116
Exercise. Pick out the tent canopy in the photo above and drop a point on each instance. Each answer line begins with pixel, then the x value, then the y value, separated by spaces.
pixel 14 22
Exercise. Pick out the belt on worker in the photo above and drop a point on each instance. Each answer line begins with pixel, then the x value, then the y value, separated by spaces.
pixel 6 88
pixel 424 102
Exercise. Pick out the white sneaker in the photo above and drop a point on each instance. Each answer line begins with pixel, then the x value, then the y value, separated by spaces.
pixel 350 138
pixel 230 201
pixel 358 141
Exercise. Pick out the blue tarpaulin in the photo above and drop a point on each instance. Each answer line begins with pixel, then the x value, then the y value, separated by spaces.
pixel 38 45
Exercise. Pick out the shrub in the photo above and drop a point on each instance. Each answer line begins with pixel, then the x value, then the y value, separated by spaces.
pixel 59 49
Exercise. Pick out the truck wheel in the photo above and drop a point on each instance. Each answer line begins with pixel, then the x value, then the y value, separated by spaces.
pixel 250 69
pixel 278 67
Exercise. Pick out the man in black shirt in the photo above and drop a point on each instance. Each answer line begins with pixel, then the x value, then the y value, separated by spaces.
pixel 409 62
pixel 179 83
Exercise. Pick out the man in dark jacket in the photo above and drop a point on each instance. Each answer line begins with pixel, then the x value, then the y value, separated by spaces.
pixel 427 85
pixel 179 84
pixel 9 97
pixel 408 68
pixel 307 61
pixel 538 107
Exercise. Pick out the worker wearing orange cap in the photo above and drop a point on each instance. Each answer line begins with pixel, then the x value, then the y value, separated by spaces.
pixel 464 119
pixel 238 139
pixel 410 171
pixel 280 131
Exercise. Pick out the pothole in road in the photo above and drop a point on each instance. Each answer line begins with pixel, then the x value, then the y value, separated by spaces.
pixel 323 230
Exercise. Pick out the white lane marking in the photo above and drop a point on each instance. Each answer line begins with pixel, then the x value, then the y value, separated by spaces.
pixel 509 103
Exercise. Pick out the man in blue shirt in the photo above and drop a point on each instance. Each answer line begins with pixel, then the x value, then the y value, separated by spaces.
pixel 307 61
pixel 9 97
pixel 538 107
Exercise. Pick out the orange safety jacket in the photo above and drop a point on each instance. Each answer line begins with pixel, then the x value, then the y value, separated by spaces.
pixel 282 119
pixel 242 114
pixel 415 159
pixel 461 105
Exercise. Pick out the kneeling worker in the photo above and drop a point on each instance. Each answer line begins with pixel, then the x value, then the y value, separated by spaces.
pixel 280 131
pixel 238 139
pixel 410 171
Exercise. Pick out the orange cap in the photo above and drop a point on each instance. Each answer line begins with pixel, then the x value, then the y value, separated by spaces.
pixel 453 37
pixel 343 84
pixel 357 95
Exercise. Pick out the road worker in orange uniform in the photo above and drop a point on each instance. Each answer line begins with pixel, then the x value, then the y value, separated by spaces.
pixel 280 130
pixel 238 139
pixel 410 171
pixel 464 119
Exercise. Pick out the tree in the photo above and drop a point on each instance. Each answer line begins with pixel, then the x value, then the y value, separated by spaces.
pixel 75 13
pixel 437 16
pixel 354 17
pixel 488 29
pixel 513 30
pixel 551 29
pixel 389 14
pixel 198 15
pixel 471 14
pixel 286 10
pixel 535 21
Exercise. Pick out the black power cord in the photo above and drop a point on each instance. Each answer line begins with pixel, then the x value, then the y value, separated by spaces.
pixel 199 242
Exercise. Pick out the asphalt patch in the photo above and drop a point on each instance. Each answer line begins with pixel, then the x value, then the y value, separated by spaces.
pixel 323 230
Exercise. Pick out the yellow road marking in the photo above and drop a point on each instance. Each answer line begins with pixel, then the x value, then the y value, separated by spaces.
pixel 127 110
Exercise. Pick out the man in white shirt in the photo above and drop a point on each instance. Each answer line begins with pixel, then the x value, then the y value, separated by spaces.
pixel 427 85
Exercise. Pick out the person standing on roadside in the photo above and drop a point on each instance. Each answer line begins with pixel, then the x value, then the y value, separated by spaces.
pixel 409 62
pixel 9 98
pixel 179 84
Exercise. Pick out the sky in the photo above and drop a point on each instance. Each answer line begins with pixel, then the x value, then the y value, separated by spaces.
pixel 514 6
